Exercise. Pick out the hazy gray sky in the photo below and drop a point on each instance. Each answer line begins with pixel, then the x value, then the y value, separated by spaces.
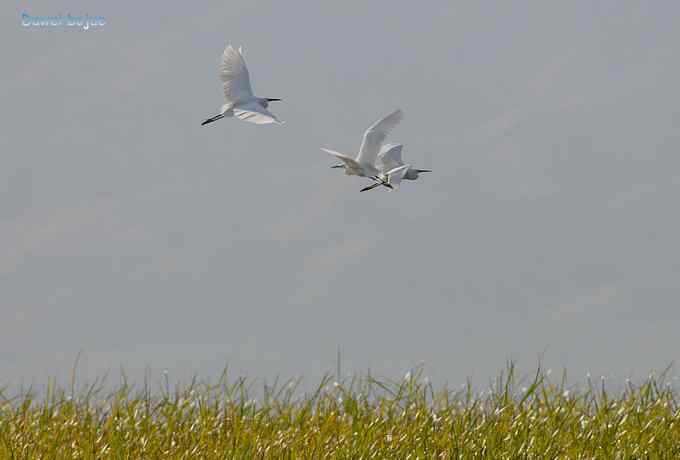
pixel 550 224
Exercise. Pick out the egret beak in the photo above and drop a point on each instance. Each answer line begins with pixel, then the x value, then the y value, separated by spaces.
pixel 273 99
pixel 423 170
pixel 337 166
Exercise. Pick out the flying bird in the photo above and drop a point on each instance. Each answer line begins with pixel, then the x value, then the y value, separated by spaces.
pixel 390 158
pixel 241 103
pixel 364 164
pixel 393 168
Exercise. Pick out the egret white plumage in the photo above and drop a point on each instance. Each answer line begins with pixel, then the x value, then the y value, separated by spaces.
pixel 390 163
pixel 390 158
pixel 241 103
pixel 364 164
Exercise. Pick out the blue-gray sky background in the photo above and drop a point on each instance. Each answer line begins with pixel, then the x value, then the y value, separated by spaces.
pixel 550 225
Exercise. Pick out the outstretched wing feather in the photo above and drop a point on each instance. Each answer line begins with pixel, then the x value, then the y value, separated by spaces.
pixel 255 113
pixel 390 156
pixel 375 135
pixel 235 77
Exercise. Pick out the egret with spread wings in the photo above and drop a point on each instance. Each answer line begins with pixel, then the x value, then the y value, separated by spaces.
pixel 240 101
pixel 364 164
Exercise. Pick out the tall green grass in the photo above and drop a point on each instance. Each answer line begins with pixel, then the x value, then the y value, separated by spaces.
pixel 362 418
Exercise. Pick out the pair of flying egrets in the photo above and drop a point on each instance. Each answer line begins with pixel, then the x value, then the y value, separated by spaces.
pixel 381 163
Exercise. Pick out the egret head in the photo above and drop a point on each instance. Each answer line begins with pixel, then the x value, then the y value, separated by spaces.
pixel 265 101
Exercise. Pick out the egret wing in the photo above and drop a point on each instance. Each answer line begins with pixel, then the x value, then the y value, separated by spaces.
pixel 394 176
pixel 390 157
pixel 375 135
pixel 255 113
pixel 235 77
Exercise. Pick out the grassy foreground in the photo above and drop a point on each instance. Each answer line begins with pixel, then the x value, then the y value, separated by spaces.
pixel 365 418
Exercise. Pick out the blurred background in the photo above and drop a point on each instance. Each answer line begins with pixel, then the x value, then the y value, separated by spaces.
pixel 548 229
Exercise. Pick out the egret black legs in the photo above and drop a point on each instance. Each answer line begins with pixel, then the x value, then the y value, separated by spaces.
pixel 378 183
pixel 211 119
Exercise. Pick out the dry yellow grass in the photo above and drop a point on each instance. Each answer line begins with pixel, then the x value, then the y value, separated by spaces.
pixel 364 418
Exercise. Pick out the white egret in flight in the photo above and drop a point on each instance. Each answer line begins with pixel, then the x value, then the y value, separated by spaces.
pixel 390 162
pixel 241 103
pixel 364 164
pixel 390 158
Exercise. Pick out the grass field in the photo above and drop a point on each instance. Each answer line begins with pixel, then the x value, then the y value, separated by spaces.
pixel 541 416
